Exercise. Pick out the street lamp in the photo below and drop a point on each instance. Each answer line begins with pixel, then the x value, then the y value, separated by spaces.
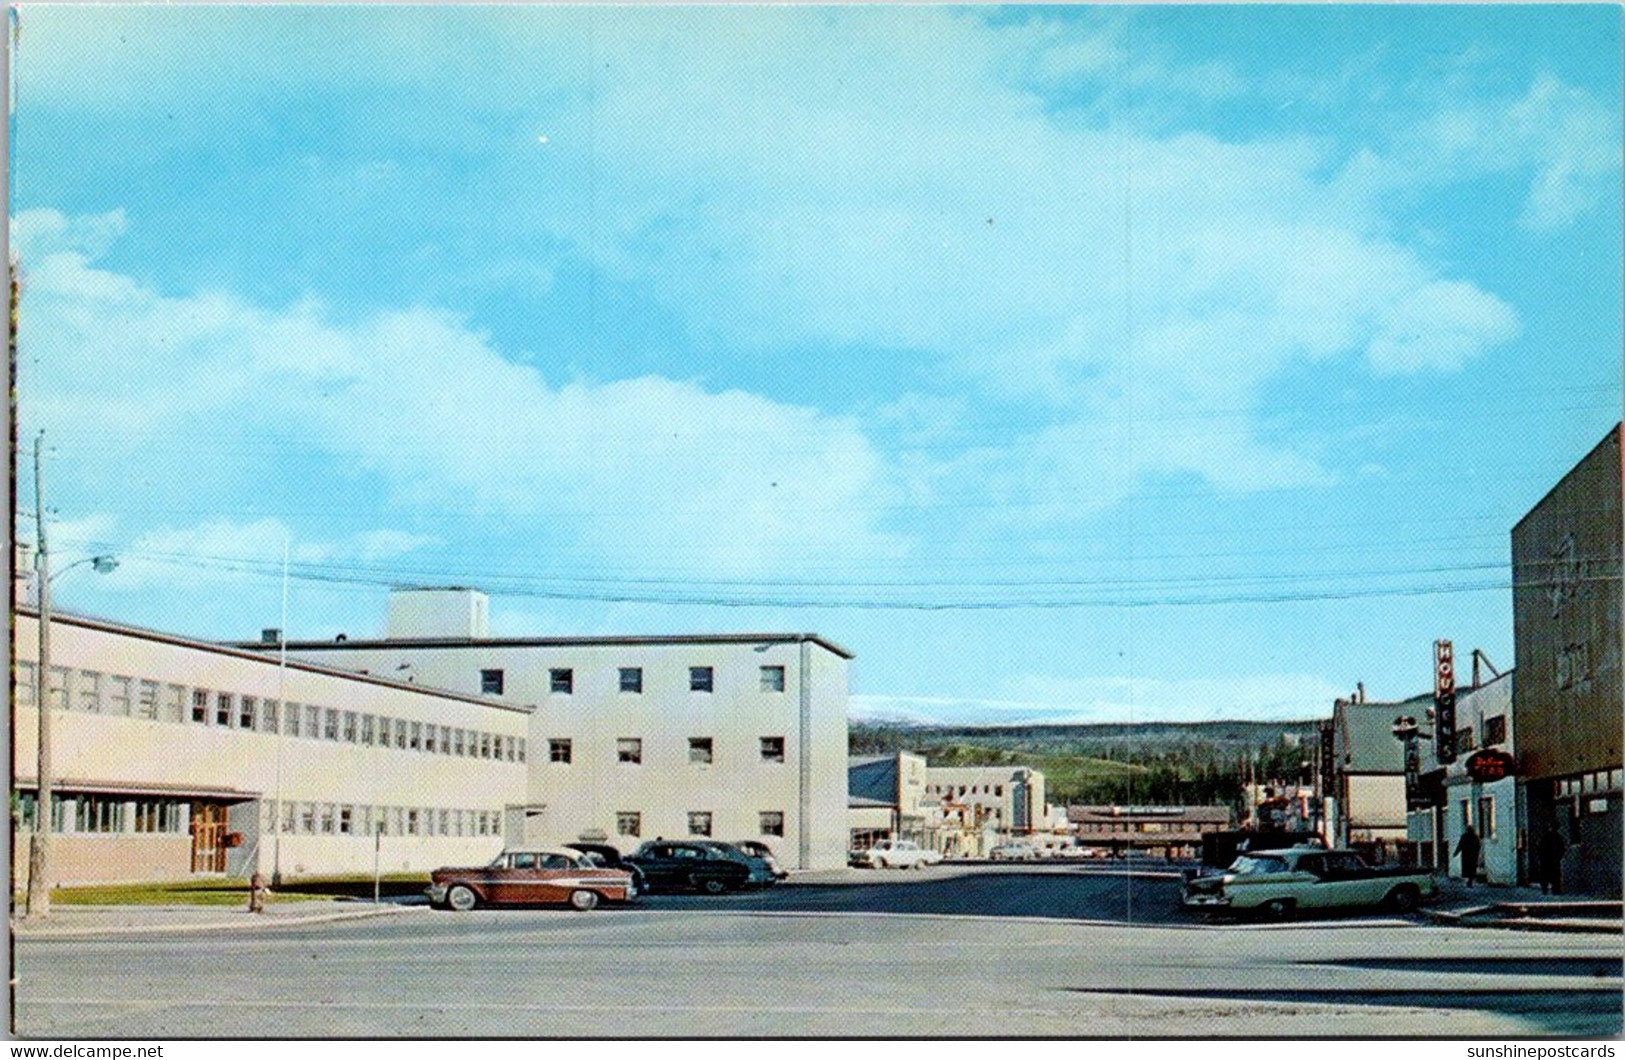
pixel 39 891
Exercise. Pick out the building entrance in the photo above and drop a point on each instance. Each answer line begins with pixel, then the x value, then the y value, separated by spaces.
pixel 208 837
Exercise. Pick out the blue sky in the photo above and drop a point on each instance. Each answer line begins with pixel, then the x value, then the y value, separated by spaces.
pixel 1065 364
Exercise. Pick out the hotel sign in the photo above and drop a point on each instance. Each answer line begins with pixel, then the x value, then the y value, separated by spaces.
pixel 1444 701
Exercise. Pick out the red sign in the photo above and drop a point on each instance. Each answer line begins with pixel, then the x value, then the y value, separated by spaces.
pixel 1490 765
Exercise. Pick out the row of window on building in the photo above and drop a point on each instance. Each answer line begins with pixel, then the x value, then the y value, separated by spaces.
pixel 629 823
pixel 94 814
pixel 96 693
pixel 561 681
pixel 1138 827
pixel 948 791
pixel 629 750
pixel 1495 732
pixel 332 818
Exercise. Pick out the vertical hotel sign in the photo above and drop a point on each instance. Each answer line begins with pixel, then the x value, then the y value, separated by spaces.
pixel 1444 701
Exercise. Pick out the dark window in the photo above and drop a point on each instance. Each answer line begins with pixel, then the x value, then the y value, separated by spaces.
pixel 222 708
pixel 629 750
pixel 491 682
pixel 200 706
pixel 772 679
pixel 700 679
pixel 1495 730
pixel 772 822
pixel 699 752
pixel 630 824
pixel 558 751
pixel 698 824
pixel 772 748
pixel 562 682
pixel 1464 739
pixel 631 679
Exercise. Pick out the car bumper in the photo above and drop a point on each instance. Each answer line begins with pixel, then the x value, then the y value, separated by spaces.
pixel 436 892
pixel 1206 901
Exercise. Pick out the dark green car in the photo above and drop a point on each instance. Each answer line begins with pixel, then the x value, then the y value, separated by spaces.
pixel 673 865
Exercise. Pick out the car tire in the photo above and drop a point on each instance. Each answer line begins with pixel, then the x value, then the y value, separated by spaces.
pixel 461 898
pixel 712 885
pixel 1404 898
pixel 583 901
pixel 1277 908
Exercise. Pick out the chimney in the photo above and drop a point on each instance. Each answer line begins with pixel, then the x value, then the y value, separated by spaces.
pixel 270 636
pixel 1359 687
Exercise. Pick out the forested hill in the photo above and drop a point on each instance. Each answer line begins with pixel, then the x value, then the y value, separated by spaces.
pixel 1151 762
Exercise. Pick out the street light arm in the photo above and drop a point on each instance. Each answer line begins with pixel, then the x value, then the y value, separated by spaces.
pixel 102 565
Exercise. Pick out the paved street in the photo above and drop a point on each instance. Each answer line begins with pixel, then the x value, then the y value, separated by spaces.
pixel 753 965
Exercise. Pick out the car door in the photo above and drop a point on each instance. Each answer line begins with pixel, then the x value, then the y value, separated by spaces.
pixel 1327 882
pixel 509 878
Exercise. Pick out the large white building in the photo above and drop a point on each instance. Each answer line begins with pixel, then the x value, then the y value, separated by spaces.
pixel 733 736
pixel 983 806
pixel 173 757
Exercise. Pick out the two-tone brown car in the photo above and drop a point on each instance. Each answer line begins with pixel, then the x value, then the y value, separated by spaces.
pixel 531 877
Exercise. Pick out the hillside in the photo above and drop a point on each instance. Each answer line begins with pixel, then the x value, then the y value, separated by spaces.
pixel 1153 762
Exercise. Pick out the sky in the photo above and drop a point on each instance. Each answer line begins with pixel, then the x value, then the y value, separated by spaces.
pixel 1064 364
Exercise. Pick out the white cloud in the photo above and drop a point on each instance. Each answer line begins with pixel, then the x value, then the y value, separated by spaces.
pixel 1037 699
pixel 650 467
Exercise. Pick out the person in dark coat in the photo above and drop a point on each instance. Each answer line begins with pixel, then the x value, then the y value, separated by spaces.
pixel 1549 855
pixel 1468 848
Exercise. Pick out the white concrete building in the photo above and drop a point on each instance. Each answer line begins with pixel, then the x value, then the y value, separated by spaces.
pixel 1484 723
pixel 732 736
pixel 989 803
pixel 174 757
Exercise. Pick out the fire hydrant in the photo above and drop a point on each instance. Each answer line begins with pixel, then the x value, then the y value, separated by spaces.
pixel 258 888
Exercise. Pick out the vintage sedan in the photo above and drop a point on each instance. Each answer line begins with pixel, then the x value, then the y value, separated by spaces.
pixel 1278 882
pixel 526 877
pixel 894 854
pixel 670 864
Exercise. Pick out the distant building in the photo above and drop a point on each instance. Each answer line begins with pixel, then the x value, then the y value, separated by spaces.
pixel 731 736
pixel 886 800
pixel 1161 831
pixel 991 803
pixel 1567 699
pixel 1364 778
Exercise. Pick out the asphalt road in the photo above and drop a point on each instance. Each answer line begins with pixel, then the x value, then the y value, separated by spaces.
pixel 796 961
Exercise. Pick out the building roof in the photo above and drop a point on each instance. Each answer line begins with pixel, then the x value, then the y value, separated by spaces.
pixel 1363 734
pixel 555 642
pixel 264 659
pixel 861 801
pixel 1182 814
pixel 976 774
pixel 1610 440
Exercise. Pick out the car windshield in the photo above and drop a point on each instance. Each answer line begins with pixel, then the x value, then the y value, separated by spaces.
pixel 1255 865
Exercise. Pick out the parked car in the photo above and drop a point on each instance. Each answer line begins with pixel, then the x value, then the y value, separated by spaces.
pixel 527 877
pixel 894 854
pixel 1278 882
pixel 611 858
pixel 762 872
pixel 1013 852
pixel 756 848
pixel 677 865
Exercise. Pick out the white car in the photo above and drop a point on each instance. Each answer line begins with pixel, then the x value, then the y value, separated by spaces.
pixel 1278 882
pixel 1013 852
pixel 895 854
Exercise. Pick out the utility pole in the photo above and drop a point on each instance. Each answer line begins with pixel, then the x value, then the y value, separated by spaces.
pixel 39 891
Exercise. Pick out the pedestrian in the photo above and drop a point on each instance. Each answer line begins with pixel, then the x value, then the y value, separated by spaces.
pixel 1549 861
pixel 1468 848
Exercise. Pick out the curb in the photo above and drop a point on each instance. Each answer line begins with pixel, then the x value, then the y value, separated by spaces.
pixel 1474 918
pixel 18 932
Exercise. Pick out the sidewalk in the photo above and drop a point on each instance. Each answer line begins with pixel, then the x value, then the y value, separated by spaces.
pixel 1515 908
pixel 80 921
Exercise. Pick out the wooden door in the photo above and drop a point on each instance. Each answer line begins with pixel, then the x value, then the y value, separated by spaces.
pixel 208 837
